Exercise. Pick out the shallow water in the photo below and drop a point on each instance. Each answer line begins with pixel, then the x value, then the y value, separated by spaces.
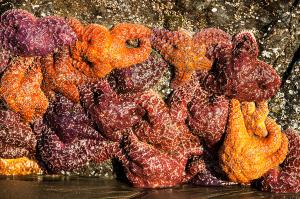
pixel 93 187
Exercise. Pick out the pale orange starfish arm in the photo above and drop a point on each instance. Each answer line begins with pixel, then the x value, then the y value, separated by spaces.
pixel 19 166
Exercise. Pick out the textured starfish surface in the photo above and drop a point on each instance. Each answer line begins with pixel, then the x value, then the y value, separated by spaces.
pixel 111 112
pixel 68 139
pixel 237 72
pixel 24 34
pixel 4 58
pixel 149 167
pixel 178 48
pixel 100 50
pixel 16 138
pixel 61 76
pixel 244 156
pixel 19 166
pixel 207 112
pixel 139 77
pixel 286 178
pixel 155 154
pixel 207 170
pixel 20 88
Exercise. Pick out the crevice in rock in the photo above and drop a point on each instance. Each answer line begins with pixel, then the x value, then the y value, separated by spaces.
pixel 288 71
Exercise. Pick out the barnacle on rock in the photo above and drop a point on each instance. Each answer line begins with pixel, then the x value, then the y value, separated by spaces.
pixel 24 34
pixel 178 48
pixel 60 75
pixel 244 156
pixel 4 59
pixel 286 178
pixel 20 88
pixel 139 77
pixel 236 72
pixel 19 166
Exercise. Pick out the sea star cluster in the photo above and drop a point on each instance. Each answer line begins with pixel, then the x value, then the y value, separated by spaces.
pixel 23 34
pixel 74 94
pixel 286 178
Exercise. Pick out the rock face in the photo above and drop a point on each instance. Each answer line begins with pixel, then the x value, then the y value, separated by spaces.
pixel 274 23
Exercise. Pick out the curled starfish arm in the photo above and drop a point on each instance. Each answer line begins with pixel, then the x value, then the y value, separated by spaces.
pixel 245 156
pixel 77 26
pixel 123 56
pixel 286 178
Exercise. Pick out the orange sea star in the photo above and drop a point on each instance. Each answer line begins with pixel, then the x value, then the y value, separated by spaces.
pixel 19 166
pixel 245 156
pixel 20 88
pixel 178 48
pixel 60 75
pixel 100 50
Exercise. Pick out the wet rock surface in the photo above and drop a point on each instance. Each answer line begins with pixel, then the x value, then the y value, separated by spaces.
pixel 275 24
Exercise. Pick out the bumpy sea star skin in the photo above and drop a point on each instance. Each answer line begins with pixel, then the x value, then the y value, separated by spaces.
pixel 245 156
pixel 139 77
pixel 111 112
pixel 60 75
pixel 20 88
pixel 69 120
pixel 4 59
pixel 16 138
pixel 287 177
pixel 178 48
pixel 208 171
pixel 122 56
pixel 19 166
pixel 68 140
pixel 24 34
pixel 166 129
pixel 149 167
pixel 207 113
pixel 99 50
pixel 237 72
pixel 58 156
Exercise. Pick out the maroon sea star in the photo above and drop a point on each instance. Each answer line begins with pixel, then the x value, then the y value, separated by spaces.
pixel 16 138
pixel 236 71
pixel 207 112
pixel 141 76
pixel 23 34
pixel 156 152
pixel 110 111
pixel 286 178
pixel 68 140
